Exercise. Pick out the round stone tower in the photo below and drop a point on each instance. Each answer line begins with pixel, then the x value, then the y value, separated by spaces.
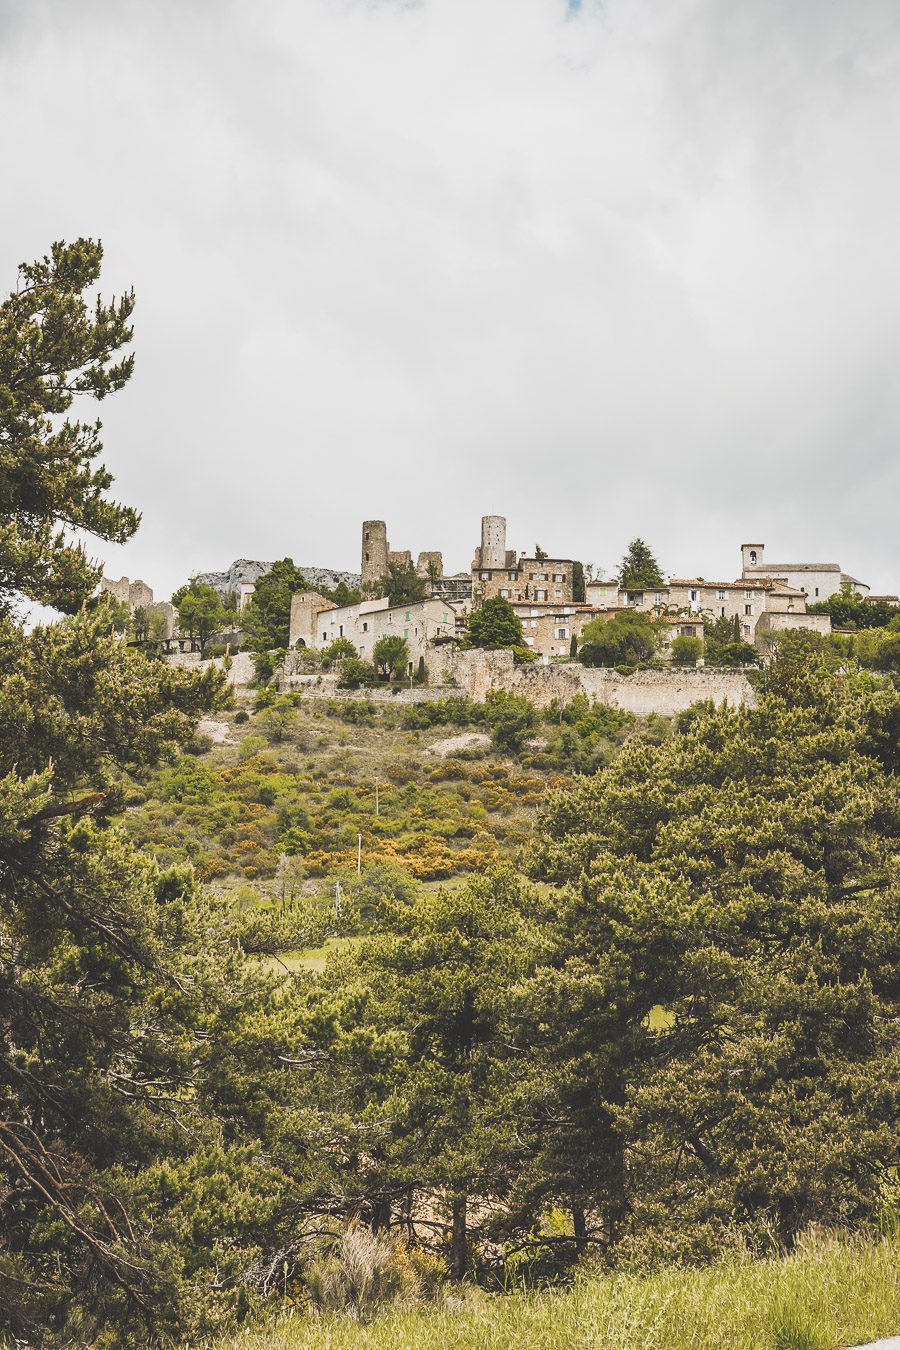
pixel 493 541
pixel 374 562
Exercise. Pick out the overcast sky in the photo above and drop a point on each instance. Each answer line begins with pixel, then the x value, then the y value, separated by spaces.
pixel 615 269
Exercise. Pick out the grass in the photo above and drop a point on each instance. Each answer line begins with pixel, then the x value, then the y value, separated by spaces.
pixel 308 958
pixel 841 1294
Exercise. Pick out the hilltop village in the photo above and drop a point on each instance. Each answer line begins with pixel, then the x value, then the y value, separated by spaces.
pixel 554 598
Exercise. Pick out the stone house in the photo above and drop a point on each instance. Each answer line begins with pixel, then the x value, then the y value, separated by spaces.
pixel 364 623
pixel 817 581
pixel 548 629
pixel 306 607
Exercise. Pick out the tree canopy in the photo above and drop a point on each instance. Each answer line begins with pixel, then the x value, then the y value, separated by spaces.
pixel 639 569
pixel 628 638
pixel 402 584
pixel 201 611
pixel 495 624
pixel 727 962
pixel 110 991
pixel 56 344
pixel 850 610
pixel 390 653
pixel 267 617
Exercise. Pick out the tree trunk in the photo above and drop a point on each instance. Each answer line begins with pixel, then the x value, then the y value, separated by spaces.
pixel 579 1228
pixel 458 1246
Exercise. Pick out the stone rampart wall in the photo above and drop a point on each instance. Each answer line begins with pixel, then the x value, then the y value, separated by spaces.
pixel 474 674
pixel 659 691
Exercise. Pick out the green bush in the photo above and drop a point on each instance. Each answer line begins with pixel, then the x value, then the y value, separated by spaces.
pixel 356 673
pixel 686 650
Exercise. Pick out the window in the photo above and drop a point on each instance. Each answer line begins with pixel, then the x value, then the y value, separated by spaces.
pixel 558 576
pixel 407 616
pixel 753 557
pixel 505 594
pixel 748 609
pixel 558 594
pixel 657 597
pixel 510 576
pixel 694 595
pixel 817 590
pixel 722 612
pixel 365 628
pixel 341 631
pixel 748 595
pixel 485 576
pixel 720 594
pixel 562 632
pixel 540 595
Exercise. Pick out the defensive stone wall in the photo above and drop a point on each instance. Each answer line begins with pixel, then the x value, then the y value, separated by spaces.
pixel 475 673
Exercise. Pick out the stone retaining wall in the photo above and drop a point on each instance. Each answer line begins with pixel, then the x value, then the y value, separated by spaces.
pixel 475 673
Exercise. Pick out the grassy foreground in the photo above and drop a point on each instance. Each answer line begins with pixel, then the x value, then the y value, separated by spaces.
pixel 838 1295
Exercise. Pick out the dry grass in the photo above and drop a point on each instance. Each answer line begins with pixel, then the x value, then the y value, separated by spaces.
pixel 834 1295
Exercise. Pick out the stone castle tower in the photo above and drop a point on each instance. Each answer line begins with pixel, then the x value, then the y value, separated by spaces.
pixel 493 541
pixel 374 559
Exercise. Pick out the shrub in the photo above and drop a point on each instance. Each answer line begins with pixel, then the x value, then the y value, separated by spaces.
pixel 278 719
pixel 390 654
pixel 340 649
pixel 355 673
pixel 686 650
pixel 524 656
pixel 366 1270
pixel 252 745
pixel 242 716
pixel 510 717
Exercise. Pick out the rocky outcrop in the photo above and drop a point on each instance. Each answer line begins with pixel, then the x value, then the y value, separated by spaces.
pixel 248 571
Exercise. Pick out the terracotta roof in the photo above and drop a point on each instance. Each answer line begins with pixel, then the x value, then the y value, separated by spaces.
pixel 762 583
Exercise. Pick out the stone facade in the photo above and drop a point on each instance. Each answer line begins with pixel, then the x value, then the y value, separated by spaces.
pixel 817 581
pixel 746 600
pixel 548 629
pixel 374 554
pixel 497 571
pixel 430 564
pixel 135 594
pixel 363 624
pixel 667 692
pixel 306 607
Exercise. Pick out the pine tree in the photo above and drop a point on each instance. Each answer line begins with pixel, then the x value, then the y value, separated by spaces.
pixel 639 569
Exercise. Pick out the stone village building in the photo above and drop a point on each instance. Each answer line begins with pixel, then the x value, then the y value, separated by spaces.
pixel 316 622
pixel 765 600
